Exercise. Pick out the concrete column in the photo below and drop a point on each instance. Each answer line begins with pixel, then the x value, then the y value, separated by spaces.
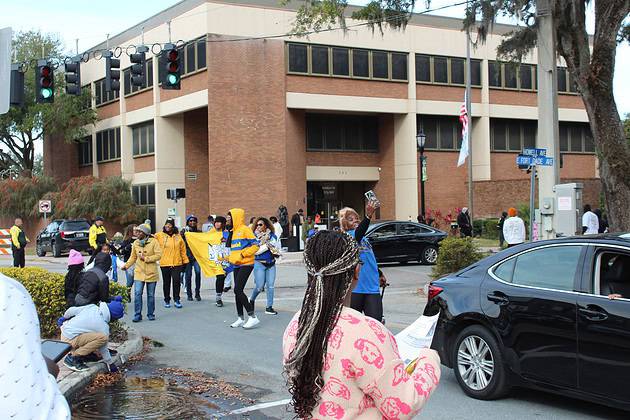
pixel 93 129
pixel 169 165
pixel 482 168
pixel 126 137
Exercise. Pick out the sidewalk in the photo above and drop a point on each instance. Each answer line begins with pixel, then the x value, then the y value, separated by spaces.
pixel 71 382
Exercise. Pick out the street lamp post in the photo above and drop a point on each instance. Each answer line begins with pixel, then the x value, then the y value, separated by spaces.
pixel 420 140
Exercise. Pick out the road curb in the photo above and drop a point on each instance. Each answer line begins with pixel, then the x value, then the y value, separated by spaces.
pixel 76 381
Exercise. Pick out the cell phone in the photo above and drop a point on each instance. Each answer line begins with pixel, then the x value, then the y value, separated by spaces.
pixel 371 197
pixel 55 350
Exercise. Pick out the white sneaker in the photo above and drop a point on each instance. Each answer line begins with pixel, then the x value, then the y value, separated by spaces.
pixel 251 322
pixel 238 323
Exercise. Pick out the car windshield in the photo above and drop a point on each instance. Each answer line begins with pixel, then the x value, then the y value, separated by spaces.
pixel 76 226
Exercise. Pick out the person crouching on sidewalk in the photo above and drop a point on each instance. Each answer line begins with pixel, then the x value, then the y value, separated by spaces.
pixel 86 329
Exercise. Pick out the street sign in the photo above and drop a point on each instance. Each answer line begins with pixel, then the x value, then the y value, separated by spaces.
pixel 172 212
pixel 45 206
pixel 5 69
pixel 535 152
pixel 523 160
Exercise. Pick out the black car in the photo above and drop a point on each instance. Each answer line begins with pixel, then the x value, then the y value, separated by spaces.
pixel 540 315
pixel 404 241
pixel 62 236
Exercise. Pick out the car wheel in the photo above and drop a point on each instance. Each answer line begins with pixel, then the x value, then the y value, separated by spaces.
pixel 56 248
pixel 478 364
pixel 39 250
pixel 429 255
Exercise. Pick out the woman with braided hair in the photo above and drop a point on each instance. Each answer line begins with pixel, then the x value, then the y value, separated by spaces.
pixel 340 363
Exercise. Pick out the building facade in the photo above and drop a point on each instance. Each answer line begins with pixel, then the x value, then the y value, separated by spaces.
pixel 314 123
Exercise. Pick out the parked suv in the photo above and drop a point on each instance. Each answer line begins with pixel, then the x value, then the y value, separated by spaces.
pixel 62 236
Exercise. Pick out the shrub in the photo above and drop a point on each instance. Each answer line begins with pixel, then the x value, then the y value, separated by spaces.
pixel 455 254
pixel 19 197
pixel 478 225
pixel 490 230
pixel 46 290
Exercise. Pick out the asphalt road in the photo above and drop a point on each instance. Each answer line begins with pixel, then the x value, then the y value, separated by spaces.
pixel 198 337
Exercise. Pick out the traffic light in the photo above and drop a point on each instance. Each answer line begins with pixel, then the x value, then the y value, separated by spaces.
pixel 171 68
pixel 73 76
pixel 137 66
pixel 44 83
pixel 16 91
pixel 112 72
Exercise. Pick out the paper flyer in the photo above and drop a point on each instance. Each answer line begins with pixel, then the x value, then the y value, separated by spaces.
pixel 415 337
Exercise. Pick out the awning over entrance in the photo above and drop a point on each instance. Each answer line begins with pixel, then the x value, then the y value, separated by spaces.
pixel 342 173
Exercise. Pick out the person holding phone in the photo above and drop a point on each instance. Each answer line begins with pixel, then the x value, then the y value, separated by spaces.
pixel 27 380
pixel 366 297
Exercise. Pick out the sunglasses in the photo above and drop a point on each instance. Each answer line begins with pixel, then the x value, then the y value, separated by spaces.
pixel 260 225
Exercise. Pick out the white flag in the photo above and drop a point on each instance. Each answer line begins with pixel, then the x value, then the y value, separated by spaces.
pixel 463 117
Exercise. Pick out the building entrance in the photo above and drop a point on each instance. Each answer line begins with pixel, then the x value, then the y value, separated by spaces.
pixel 326 198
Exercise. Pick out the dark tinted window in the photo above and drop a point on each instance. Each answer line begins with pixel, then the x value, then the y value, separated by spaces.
pixel 297 58
pixel 494 74
pixel 341 62
pixel 525 73
pixel 529 134
pixel 551 268
pixel 457 71
pixel 440 69
pixel 379 65
pixel 75 226
pixel 360 63
pixel 410 229
pixel 383 231
pixel 447 137
pixel 505 270
pixel 589 145
pixel 423 68
pixel 190 58
pixel 510 75
pixel 514 136
pixel 341 132
pixel 562 79
pixel 399 66
pixel 475 72
pixel 319 59
pixel 430 127
pixel 564 138
pixel 201 54
pixel 499 140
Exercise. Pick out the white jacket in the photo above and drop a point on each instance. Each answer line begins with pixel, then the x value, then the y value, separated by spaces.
pixel 88 319
pixel 514 230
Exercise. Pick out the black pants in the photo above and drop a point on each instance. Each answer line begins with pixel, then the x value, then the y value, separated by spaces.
pixel 19 257
pixel 370 305
pixel 171 274
pixel 220 282
pixel 241 275
pixel 501 239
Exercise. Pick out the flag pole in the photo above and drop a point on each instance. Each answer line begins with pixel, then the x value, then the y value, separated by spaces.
pixel 470 126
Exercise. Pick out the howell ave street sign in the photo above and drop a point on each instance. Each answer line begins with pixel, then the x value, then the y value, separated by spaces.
pixel 534 157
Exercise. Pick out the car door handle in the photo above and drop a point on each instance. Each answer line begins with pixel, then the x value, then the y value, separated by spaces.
pixel 498 298
pixel 594 313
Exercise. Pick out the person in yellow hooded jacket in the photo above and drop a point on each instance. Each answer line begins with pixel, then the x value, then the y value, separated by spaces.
pixel 173 261
pixel 243 246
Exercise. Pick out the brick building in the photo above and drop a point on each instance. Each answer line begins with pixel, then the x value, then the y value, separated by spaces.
pixel 314 123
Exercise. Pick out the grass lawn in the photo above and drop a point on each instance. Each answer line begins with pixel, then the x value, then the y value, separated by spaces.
pixel 486 243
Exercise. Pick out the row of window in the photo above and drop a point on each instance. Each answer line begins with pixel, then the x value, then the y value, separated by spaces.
pixel 101 95
pixel 143 195
pixel 148 78
pixel 444 133
pixel 85 151
pixel 523 77
pixel 108 145
pixel 192 56
pixel 446 70
pixel 346 62
pixel 341 133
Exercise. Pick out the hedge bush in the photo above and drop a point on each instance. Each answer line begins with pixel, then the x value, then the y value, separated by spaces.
pixel 46 290
pixel 455 254
pixel 490 230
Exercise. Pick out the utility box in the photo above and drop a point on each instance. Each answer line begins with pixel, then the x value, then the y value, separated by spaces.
pixel 568 209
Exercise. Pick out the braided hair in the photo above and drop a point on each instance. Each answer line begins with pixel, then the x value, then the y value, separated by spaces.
pixel 330 259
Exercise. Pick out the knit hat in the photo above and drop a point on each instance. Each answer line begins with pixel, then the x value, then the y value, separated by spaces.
pixel 116 308
pixel 147 222
pixel 75 257
pixel 99 219
pixel 512 212
pixel 191 217
pixel 117 237
pixel 170 221
pixel 145 228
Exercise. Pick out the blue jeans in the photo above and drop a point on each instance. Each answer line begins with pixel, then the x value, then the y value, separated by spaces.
pixel 129 274
pixel 139 286
pixel 189 272
pixel 114 269
pixel 264 276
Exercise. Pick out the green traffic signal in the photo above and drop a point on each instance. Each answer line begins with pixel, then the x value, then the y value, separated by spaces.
pixel 172 79
pixel 46 93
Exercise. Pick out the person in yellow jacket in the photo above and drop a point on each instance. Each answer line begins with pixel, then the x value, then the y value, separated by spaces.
pixel 18 243
pixel 211 253
pixel 145 254
pixel 243 246
pixel 97 237
pixel 173 261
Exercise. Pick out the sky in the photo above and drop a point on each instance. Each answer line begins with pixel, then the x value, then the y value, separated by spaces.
pixel 90 23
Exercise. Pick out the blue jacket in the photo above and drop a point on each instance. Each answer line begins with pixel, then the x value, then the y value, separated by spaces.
pixel 369 282
pixel 266 256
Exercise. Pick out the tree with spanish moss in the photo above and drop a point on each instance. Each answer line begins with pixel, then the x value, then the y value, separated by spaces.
pixel 590 62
